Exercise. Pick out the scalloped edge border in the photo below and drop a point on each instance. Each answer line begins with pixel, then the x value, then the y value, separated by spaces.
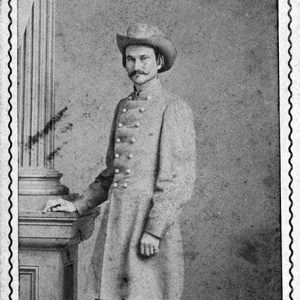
pixel 10 153
pixel 290 162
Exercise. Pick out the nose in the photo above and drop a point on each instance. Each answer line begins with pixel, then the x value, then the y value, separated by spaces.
pixel 138 65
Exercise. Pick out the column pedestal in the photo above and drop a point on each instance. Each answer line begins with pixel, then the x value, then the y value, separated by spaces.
pixel 48 246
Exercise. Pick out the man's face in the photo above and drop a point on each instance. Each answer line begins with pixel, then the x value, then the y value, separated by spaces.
pixel 141 63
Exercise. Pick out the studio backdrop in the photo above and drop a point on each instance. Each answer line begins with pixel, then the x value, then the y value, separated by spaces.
pixel 227 71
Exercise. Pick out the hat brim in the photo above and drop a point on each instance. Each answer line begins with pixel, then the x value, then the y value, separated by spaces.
pixel 164 46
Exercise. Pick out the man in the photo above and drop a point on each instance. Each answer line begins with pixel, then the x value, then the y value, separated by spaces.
pixel 149 175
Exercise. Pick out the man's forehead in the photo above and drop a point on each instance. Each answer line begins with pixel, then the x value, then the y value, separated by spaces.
pixel 136 50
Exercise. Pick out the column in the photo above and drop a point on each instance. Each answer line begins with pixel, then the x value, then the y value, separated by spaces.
pixel 36 113
pixel 48 242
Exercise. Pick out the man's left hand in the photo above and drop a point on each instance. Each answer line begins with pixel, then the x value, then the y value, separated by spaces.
pixel 149 244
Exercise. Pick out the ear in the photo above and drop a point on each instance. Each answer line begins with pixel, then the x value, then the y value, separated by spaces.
pixel 160 62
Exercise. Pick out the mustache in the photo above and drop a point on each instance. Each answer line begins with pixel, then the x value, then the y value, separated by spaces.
pixel 136 72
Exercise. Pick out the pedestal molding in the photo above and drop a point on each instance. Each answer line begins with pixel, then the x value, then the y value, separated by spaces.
pixel 54 229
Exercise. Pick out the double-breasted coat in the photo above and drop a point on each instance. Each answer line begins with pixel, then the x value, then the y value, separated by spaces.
pixel 149 175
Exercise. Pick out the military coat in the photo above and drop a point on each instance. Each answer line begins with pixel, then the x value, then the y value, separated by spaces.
pixel 149 175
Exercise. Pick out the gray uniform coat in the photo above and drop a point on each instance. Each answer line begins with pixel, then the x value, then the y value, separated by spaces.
pixel 150 174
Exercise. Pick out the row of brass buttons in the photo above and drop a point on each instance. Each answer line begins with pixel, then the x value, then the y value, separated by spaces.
pixel 117 155
pixel 124 185
pixel 141 109
pixel 128 171
pixel 136 124
pixel 132 140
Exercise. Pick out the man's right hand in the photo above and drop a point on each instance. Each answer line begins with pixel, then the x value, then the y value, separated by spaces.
pixel 59 205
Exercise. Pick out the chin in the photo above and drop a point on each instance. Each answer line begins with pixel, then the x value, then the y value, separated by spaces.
pixel 139 79
pixel 142 79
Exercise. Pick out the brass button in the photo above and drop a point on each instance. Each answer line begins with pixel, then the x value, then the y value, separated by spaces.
pixel 130 97
pixel 142 109
pixel 148 97
pixel 128 171
pixel 117 171
pixel 137 124
pixel 117 155
pixel 124 110
pixel 132 140
pixel 115 184
pixel 125 185
pixel 120 125
pixel 130 155
pixel 118 140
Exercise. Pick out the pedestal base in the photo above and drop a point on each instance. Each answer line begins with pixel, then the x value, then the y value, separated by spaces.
pixel 48 273
pixel 48 245
pixel 40 181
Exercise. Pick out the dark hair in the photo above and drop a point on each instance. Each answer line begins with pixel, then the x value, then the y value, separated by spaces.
pixel 159 57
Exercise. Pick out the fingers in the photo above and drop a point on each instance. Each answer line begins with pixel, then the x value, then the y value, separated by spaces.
pixel 58 205
pixel 142 248
pixel 151 249
pixel 51 203
pixel 148 249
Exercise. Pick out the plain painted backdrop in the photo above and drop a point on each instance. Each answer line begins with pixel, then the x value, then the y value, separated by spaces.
pixel 227 70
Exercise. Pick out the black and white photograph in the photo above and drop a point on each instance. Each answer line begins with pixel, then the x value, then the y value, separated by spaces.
pixel 150 150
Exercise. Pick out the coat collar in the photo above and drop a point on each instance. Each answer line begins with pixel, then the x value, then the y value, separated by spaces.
pixel 152 90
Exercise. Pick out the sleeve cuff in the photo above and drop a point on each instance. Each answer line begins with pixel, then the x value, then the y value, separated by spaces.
pixel 158 237
pixel 81 205
pixel 156 228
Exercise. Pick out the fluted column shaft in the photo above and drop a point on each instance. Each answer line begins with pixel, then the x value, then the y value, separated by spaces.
pixel 36 103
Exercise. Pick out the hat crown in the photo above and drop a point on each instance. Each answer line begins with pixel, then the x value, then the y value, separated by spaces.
pixel 140 31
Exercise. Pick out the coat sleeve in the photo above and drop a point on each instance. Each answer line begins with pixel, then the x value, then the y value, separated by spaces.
pixel 97 191
pixel 176 172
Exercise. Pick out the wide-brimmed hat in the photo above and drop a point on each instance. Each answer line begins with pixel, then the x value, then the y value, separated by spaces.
pixel 148 35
